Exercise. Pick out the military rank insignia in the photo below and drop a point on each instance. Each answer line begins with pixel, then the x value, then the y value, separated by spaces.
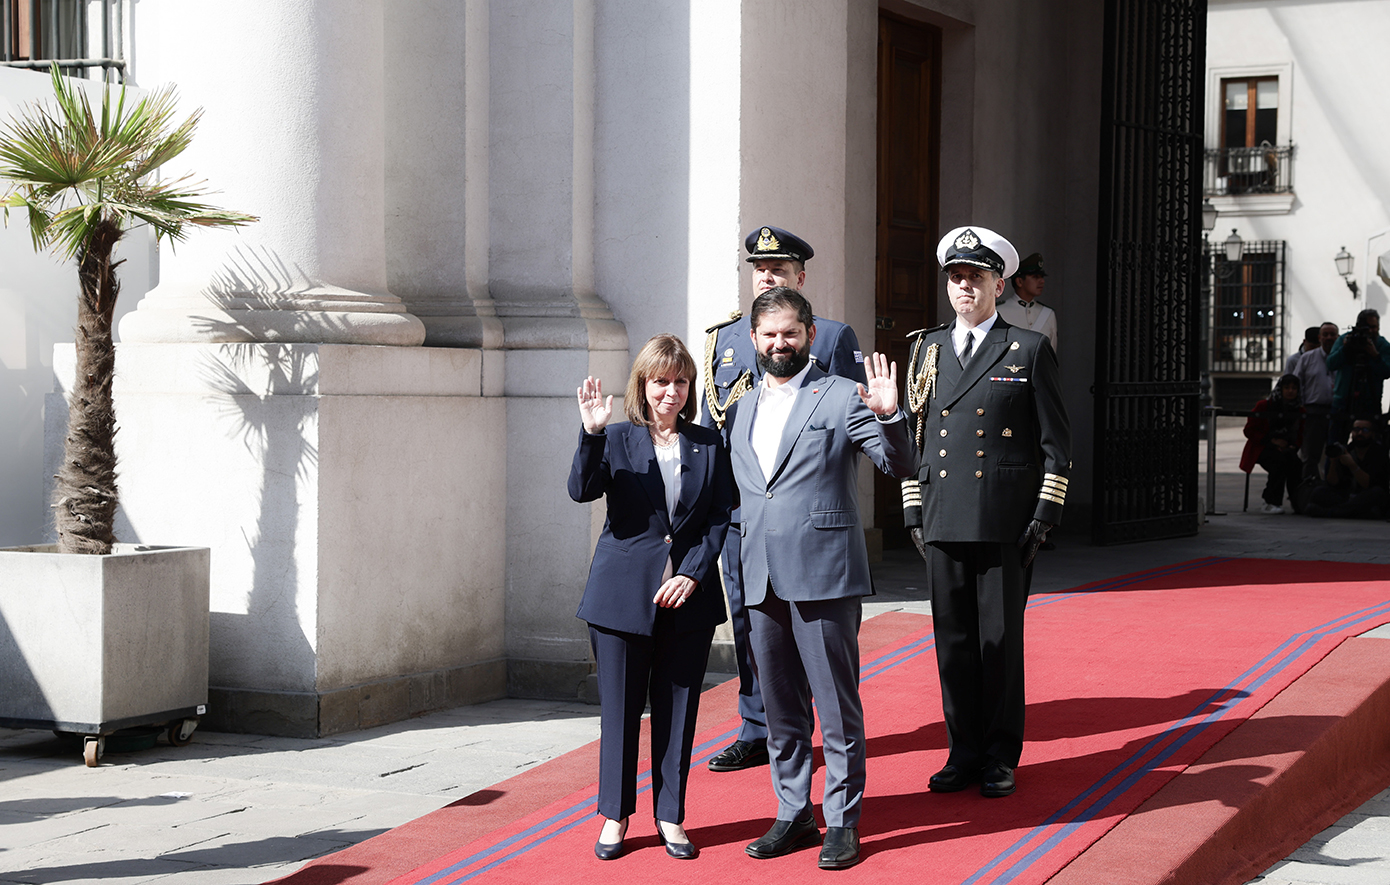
pixel 766 242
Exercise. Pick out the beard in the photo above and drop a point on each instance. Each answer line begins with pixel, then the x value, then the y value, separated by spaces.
pixel 785 365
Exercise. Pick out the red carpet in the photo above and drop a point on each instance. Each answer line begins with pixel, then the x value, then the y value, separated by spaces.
pixel 1131 682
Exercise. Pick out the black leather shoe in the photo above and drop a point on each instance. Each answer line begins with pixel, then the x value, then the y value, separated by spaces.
pixel 607 851
pixel 678 850
pixel 997 781
pixel 952 778
pixel 740 755
pixel 841 848
pixel 611 850
pixel 785 837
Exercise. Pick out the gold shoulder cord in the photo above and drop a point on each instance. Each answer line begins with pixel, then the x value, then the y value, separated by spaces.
pixel 717 410
pixel 921 387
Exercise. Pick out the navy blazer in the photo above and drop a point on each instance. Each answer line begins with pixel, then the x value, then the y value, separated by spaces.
pixel 639 535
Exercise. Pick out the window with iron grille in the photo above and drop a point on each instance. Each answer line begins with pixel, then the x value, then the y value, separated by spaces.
pixel 1245 301
pixel 76 35
pixel 1249 158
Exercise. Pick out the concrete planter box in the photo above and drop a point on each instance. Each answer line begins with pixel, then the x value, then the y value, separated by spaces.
pixel 94 644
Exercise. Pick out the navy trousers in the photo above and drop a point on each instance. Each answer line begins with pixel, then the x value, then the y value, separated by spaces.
pixel 668 667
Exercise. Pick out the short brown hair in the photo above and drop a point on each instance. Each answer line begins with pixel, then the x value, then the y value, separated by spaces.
pixel 661 355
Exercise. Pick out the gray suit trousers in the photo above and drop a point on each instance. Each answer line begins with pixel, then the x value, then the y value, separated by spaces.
pixel 804 651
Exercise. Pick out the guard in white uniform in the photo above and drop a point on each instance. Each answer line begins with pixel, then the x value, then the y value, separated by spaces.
pixel 1022 308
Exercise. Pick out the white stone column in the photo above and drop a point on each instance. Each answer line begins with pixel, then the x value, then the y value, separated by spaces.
pixel 557 329
pixel 293 132
pixel 437 168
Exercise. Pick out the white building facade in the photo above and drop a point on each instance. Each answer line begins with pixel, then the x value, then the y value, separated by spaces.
pixel 1297 90
pixel 364 403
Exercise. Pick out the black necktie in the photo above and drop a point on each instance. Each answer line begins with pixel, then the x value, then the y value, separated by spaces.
pixel 965 351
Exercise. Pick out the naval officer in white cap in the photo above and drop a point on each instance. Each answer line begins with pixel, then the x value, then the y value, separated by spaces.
pixel 995 445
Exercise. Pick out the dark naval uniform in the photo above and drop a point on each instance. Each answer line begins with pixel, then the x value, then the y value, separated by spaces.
pixel 995 444
pixel 731 370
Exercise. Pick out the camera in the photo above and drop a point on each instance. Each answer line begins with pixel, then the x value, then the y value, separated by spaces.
pixel 1335 450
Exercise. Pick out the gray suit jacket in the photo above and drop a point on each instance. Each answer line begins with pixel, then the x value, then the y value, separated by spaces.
pixel 801 528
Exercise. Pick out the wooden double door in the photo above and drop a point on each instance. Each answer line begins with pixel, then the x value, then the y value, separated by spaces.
pixel 909 100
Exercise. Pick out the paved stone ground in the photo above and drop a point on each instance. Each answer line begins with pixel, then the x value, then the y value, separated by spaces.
pixel 246 809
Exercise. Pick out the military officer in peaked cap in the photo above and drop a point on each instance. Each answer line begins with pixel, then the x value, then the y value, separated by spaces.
pixel 995 443
pixel 1020 305
pixel 778 258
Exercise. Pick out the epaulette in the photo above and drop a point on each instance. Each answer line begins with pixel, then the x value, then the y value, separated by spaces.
pixel 925 331
pixel 734 316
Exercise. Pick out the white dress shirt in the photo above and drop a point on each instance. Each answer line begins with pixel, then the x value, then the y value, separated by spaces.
pixel 1314 378
pixel 959 334
pixel 774 407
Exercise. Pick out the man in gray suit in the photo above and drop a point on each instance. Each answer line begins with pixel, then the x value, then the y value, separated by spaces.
pixel 795 442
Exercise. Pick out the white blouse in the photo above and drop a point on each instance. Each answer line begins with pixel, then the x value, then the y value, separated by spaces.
pixel 668 459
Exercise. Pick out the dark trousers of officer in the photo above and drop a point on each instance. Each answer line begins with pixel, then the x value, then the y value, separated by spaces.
pixel 668 667
pixel 750 695
pixel 978 593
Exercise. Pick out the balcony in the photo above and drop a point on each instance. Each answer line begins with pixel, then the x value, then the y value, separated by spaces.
pixel 83 37
pixel 1250 180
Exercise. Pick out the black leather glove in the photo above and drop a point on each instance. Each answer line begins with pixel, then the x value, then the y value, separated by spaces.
pixel 920 544
pixel 1031 539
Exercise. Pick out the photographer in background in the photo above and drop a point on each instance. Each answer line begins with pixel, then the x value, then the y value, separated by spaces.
pixel 1356 477
pixel 1360 362
pixel 1273 435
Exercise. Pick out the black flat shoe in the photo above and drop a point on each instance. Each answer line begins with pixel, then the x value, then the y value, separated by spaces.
pixel 611 850
pixel 997 781
pixel 952 778
pixel 740 755
pixel 678 850
pixel 785 837
pixel 841 848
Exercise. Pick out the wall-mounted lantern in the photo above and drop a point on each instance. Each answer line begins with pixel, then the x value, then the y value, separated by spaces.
pixel 1345 262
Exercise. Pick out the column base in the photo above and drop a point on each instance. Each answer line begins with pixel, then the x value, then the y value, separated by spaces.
pixel 307 714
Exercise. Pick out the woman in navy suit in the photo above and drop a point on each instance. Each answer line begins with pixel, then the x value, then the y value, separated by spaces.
pixel 653 597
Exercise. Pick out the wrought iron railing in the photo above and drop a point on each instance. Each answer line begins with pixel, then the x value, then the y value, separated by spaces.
pixel 1249 170
pixel 41 33
pixel 1245 308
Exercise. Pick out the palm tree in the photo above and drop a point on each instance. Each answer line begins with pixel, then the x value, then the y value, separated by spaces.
pixel 83 180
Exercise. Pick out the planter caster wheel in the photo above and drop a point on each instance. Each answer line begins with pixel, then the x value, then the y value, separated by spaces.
pixel 93 746
pixel 181 732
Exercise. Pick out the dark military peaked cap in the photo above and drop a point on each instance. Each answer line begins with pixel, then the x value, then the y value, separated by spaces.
pixel 1033 264
pixel 775 243
pixel 978 247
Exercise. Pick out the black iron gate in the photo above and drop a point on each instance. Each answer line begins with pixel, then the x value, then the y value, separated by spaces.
pixel 1147 301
